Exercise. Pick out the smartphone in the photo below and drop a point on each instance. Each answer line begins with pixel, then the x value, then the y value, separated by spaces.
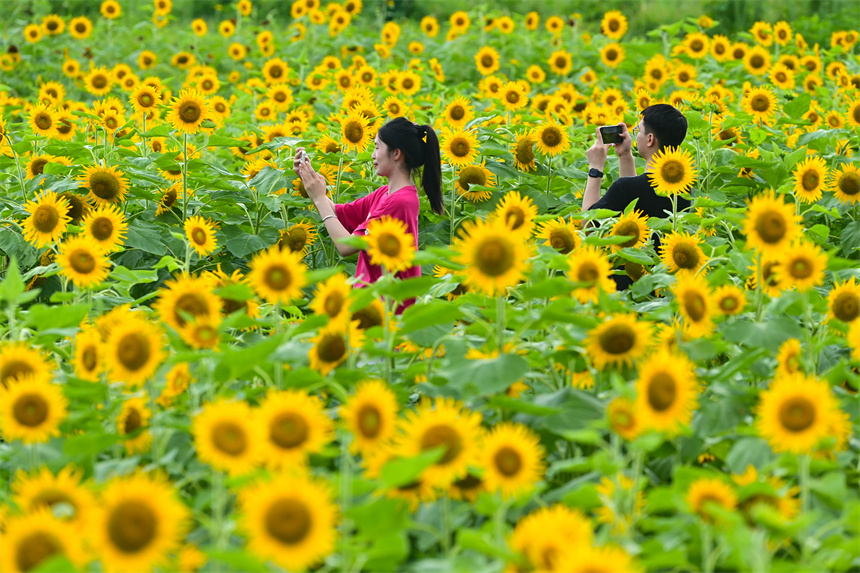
pixel 611 133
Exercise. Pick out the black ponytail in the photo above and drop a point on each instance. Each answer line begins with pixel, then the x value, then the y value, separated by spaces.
pixel 420 147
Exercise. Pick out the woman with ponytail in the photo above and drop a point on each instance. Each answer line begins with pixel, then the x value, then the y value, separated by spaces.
pixel 403 150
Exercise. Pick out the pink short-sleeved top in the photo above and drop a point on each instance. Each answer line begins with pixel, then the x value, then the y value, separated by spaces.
pixel 402 204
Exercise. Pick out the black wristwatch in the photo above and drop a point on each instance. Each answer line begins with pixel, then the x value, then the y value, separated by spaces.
pixel 596 173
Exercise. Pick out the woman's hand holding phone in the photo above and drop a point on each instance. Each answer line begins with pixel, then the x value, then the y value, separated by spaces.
pixel 313 182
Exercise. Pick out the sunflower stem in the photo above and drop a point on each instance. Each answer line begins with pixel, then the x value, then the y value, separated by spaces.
pixel 674 212
pixel 34 456
pixel 185 177
pixel 549 175
pixel 500 323
pixel 218 507
pixel 345 499
pixel 707 548
pixel 803 477
pixel 500 519
pixel 759 287
pixel 187 266
pixel 145 154
pixel 18 166
pixel 453 203
pixel 446 525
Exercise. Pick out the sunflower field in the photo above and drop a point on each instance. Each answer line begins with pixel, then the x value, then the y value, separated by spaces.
pixel 190 382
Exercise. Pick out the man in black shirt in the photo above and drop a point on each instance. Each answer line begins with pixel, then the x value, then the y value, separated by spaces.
pixel 661 126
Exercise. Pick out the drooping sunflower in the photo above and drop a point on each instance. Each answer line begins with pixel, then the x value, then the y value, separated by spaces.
pixel 458 112
pixel 843 301
pixel 276 275
pixel 523 152
pixel 83 261
pixel 371 416
pixel 88 354
pixel 802 266
pixel 48 219
pixel 547 536
pixel 43 120
pixel 618 341
pixel 614 25
pixel 487 60
pixel 333 344
pixel 447 424
pixel 666 391
pixel 139 521
pixel 681 253
pixel 32 409
pixel 289 519
pixel 228 436
pixel 332 297
pixel 612 55
pixel 592 271
pixel 729 300
pixel 551 138
pixel 133 420
pixel 559 234
pixel 188 111
pixel 495 259
pixel 188 297
pixel 512 459
pixel 771 225
pixel 706 491
pixel 32 539
pixel 133 350
pixel 294 425
pixel 107 185
pixel 633 225
pixel 516 212
pixel 695 302
pixel 478 176
pixel 810 179
pixel 200 233
pixel 672 171
pixel 459 147
pixel 65 490
pixel 389 244
pixel 106 226
pixel 795 413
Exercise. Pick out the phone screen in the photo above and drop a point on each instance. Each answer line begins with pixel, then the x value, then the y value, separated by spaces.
pixel 611 134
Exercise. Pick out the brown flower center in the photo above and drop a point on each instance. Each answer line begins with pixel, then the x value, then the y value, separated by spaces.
pixel 695 305
pixel 628 229
pixel 278 277
pixel 443 435
pixel 332 347
pixel 229 438
pixel 102 228
pixel 353 131
pixel 82 261
pixel 133 422
pixel 133 351
pixel 686 256
pixel 673 172
pixel 617 340
pixel 31 410
pixel 562 240
pixel 35 548
pixel 132 526
pixel 495 256
pixel 289 430
pixel 104 185
pixel 771 226
pixel 46 218
pixel 551 137
pixel 457 113
pixel 846 306
pixel 849 183
pixel 508 461
pixel 797 414
pixel 189 112
pixel 662 390
pixel 288 521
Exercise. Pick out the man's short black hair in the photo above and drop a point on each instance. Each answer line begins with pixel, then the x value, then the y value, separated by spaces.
pixel 667 124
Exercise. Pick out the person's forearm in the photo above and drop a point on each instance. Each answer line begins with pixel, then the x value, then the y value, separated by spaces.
pixel 335 228
pixel 591 195
pixel 626 165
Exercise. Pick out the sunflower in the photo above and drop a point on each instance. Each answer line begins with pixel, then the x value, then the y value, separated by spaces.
pixel 513 96
pixel 459 147
pixel 613 25
pixel 523 152
pixel 369 315
pixel 355 131
pixel 853 112
pixel 560 62
pixel 705 491
pixel 559 234
pixel 107 185
pixel 444 423
pixel 66 490
pixel 666 391
pixel 802 266
pixel 18 359
pixel 33 539
pixel 591 270
pixel 770 225
pixel 551 138
pixel 140 520
pixel 696 45
pixel 729 300
pixel 535 74
pixel 200 233
pixel 408 83
pixel 332 298
pixel 495 259
pixel 788 358
pixel 549 535
pixel 757 61
pixel 810 179
pixel 389 244
pixel 36 165
pixel 606 559
pixel 228 436
pixel 43 120
pixel 32 409
pixel 487 60
pixel 110 9
pixel 276 275
pixel 721 47
pixel 633 225
pixel 83 261
pixel 32 33
pixel 458 112
pixel 133 350
pixel 770 279
pixel 188 111
pixel 145 98
pixel 48 219
pixel 105 226
pixel 188 297
pixel 480 177
pixel 371 416
pixel 843 302
pixel 517 213
pixel 80 28
pixel 672 171
pixel 681 253
pixel 133 420
pixel 618 341
pixel 88 354
pixel 696 304
pixel 289 519
pixel 795 413
pixel 781 76
pixel 782 33
pixel 612 55
pixel 295 425
pixel 512 458
pixel 333 344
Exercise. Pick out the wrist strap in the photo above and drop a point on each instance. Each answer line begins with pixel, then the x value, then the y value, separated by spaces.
pixel 328 217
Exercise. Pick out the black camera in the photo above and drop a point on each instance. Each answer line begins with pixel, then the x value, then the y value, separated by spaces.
pixel 611 133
